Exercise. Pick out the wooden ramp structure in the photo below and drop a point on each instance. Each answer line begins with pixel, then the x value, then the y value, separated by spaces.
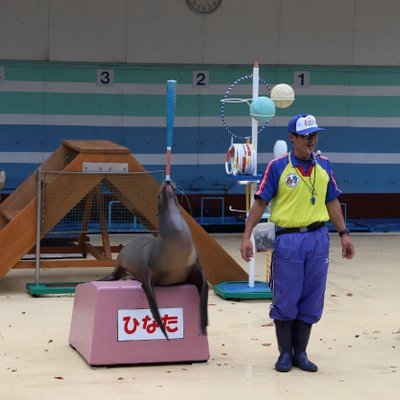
pixel 18 212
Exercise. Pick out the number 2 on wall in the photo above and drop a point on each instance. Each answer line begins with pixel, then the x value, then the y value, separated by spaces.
pixel 201 78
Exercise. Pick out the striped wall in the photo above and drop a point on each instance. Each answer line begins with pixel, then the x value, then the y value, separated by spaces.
pixel 42 103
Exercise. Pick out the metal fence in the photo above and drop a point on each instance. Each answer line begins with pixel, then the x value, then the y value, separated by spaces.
pixel 91 202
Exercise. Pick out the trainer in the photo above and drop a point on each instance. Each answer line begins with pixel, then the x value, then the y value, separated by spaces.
pixel 303 194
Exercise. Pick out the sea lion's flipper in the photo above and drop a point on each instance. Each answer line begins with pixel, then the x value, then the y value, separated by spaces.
pixel 198 278
pixel 149 290
pixel 117 274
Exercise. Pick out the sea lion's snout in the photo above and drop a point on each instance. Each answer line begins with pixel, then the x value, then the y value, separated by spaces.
pixel 166 195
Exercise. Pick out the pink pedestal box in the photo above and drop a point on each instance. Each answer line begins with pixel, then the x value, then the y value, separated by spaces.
pixel 112 324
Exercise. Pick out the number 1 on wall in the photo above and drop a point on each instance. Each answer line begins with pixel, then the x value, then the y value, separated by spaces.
pixel 301 78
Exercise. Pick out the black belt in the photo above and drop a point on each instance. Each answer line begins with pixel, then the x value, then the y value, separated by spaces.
pixel 309 228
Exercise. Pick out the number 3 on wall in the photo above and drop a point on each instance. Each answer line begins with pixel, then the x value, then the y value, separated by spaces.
pixel 105 77
pixel 201 78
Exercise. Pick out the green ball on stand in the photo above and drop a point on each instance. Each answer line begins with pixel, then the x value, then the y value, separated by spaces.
pixel 262 109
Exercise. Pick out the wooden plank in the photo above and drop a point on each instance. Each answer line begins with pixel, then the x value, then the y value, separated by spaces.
pixel 76 164
pixel 72 250
pixel 96 252
pixel 9 214
pixel 95 146
pixel 17 237
pixel 66 263
pixel 103 223
pixel 86 217
pixel 57 250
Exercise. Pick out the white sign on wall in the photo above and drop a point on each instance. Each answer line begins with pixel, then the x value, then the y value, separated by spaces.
pixel 139 324
pixel 301 78
pixel 201 78
pixel 105 77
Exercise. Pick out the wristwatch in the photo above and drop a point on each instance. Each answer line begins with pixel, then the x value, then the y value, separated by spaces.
pixel 344 232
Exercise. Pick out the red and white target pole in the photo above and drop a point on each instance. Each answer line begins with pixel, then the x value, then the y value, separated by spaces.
pixel 171 103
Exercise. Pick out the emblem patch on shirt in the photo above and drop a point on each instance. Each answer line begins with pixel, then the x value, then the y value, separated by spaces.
pixel 291 180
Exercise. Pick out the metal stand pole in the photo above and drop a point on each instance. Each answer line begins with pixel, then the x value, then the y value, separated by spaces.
pixel 253 185
pixel 38 223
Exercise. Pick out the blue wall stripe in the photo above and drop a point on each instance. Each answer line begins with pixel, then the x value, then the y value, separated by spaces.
pixel 352 178
pixel 367 145
pixel 188 140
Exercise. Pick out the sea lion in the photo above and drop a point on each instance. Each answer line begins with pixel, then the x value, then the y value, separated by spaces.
pixel 170 258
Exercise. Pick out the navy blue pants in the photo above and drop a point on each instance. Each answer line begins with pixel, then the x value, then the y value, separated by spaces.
pixel 298 275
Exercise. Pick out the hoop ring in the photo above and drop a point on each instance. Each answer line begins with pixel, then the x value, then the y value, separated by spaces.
pixel 240 159
pixel 226 99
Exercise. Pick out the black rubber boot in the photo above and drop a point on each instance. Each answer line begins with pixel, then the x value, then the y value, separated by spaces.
pixel 283 331
pixel 301 336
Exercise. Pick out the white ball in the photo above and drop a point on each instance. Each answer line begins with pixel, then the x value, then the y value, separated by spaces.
pixel 282 95
pixel 280 148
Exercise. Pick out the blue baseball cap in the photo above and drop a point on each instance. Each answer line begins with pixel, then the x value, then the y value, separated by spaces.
pixel 303 124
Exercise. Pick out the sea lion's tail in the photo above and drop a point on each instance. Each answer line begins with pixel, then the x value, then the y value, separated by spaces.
pixel 204 307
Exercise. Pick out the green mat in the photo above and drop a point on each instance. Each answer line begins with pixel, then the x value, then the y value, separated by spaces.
pixel 37 289
pixel 242 290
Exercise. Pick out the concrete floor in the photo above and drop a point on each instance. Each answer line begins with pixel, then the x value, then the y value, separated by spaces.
pixel 356 344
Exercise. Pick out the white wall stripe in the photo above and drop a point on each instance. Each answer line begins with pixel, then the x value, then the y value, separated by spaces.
pixel 188 89
pixel 210 158
pixel 184 122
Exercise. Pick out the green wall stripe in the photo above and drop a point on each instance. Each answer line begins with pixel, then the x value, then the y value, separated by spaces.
pixel 190 105
pixel 219 74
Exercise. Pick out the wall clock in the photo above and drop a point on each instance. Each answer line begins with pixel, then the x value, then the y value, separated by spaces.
pixel 203 6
